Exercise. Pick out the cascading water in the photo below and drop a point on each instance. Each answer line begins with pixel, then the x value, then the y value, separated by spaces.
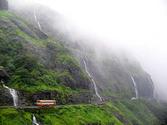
pixel 135 87
pixel 93 81
pixel 14 95
pixel 34 120
pixel 36 20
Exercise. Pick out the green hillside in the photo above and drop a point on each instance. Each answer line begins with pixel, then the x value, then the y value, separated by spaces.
pixel 37 63
pixel 40 67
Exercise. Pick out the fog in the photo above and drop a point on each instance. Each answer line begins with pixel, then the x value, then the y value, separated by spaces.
pixel 139 27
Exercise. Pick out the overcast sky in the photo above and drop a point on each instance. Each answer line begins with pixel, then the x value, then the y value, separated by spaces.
pixel 137 25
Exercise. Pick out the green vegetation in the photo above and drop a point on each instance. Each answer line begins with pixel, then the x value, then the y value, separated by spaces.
pixel 26 68
pixel 5 14
pixel 11 116
pixel 37 64
pixel 118 113
pixel 65 115
pixel 78 115
pixel 137 112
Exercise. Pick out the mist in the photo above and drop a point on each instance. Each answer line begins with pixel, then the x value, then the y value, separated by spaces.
pixel 138 27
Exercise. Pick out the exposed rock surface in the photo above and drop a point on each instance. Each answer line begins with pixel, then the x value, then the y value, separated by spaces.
pixel 3 5
pixel 5 98
pixel 111 72
pixel 4 76
pixel 39 67
pixel 145 86
pixel 114 76
pixel 28 99
pixel 49 64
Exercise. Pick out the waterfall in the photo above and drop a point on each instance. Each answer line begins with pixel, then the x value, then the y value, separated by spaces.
pixel 93 81
pixel 34 120
pixel 135 87
pixel 36 20
pixel 14 95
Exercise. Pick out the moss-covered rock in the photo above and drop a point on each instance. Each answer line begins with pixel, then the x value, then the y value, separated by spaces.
pixel 111 70
pixel 38 65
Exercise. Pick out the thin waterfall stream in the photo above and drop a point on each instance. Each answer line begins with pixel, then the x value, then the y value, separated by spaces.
pixel 14 95
pixel 93 81
pixel 135 87
pixel 34 120
pixel 36 20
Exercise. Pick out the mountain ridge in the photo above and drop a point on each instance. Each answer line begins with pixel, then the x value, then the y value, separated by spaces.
pixel 43 67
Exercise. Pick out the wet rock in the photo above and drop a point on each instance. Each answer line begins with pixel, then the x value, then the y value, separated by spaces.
pixel 4 76
pixel 145 86
pixel 5 98
pixel 29 99
pixel 23 27
pixel 82 97
pixel 40 34
pixel 3 5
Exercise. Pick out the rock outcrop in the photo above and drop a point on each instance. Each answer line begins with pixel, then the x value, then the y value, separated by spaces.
pixel 3 5
pixel 5 98
pixel 111 72
pixel 39 67
pixel 3 74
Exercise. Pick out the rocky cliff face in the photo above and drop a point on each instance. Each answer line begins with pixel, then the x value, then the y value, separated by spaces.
pixel 43 68
pixel 3 5
pixel 113 76
pixel 39 67
pixel 5 98
pixel 111 72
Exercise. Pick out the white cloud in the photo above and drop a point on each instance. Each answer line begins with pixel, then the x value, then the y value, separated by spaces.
pixel 138 25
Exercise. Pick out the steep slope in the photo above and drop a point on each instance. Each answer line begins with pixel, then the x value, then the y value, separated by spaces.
pixel 37 64
pixel 114 75
pixel 117 113
pixel 39 67
pixel 111 72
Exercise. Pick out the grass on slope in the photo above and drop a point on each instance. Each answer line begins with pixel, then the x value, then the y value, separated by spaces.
pixel 65 115
pixel 137 112
pixel 26 71
pixel 80 115
pixel 123 112
pixel 11 116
